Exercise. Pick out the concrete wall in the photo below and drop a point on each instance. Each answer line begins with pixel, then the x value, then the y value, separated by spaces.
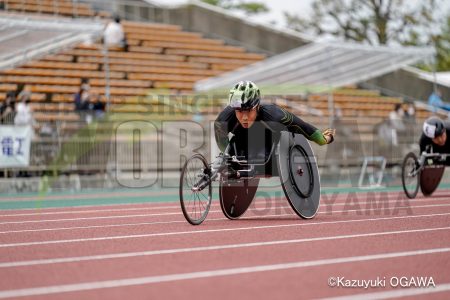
pixel 408 84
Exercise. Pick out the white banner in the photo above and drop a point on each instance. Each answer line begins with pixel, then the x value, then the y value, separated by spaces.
pixel 15 146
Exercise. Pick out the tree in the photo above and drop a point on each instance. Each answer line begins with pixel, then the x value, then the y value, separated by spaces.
pixel 442 44
pixel 371 21
pixel 250 8
pixel 378 22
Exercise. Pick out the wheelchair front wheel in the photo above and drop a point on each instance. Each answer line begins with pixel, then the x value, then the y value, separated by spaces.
pixel 410 175
pixel 195 202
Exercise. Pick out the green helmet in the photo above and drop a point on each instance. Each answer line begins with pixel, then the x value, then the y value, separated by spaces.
pixel 244 95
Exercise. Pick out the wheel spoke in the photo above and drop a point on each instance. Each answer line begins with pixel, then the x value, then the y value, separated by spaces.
pixel 195 205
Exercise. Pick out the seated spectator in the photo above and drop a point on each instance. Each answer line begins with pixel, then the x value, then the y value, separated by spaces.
pixel 98 107
pixel 82 95
pixel 436 101
pixel 7 109
pixel 396 118
pixel 410 113
pixel 85 84
pixel 81 99
pixel 114 34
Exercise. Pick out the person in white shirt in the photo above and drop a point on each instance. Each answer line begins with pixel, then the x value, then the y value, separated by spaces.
pixel 114 34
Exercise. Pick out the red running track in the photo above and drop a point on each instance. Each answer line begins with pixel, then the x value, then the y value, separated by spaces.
pixel 148 251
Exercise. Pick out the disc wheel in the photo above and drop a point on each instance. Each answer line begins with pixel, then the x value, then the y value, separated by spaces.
pixel 410 175
pixel 195 203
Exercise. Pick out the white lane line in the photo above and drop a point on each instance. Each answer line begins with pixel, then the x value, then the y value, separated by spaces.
pixel 404 292
pixel 139 224
pixel 46 290
pixel 330 211
pixel 133 236
pixel 209 219
pixel 91 211
pixel 207 248
pixel 335 199
pixel 325 203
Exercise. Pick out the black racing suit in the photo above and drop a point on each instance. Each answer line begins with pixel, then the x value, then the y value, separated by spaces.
pixel 256 141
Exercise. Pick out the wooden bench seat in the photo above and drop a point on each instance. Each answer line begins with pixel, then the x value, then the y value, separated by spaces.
pixel 74 81
pixel 50 9
pixel 216 54
pixel 227 67
pixel 126 55
pixel 62 65
pixel 49 117
pixel 178 39
pixel 193 45
pixel 53 107
pixel 173 85
pixel 356 99
pixel 147 63
pixel 62 89
pixel 35 97
pixel 135 26
pixel 161 70
pixel 61 73
pixel 142 49
pixel 221 60
pixel 174 35
pixel 99 47
pixel 6 87
pixel 58 58
pixel 165 77
pixel 60 3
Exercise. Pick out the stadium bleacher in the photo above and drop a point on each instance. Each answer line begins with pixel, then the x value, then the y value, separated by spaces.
pixel 162 58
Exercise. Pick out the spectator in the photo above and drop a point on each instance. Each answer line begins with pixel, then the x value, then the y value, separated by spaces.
pixel 23 92
pixel 81 98
pixel 98 106
pixel 436 101
pixel 114 34
pixel 396 118
pixel 85 83
pixel 24 114
pixel 410 113
pixel 7 108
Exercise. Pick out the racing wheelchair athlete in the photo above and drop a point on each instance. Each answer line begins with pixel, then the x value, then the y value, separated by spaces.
pixel 256 140
pixel 426 171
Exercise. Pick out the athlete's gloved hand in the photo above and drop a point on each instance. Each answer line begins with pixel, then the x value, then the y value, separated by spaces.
pixel 329 135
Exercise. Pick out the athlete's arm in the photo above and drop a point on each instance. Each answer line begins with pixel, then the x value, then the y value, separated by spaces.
pixel 222 125
pixel 297 125
pixel 424 142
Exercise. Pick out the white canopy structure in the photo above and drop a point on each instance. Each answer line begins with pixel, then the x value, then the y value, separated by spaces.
pixel 24 37
pixel 326 64
pixel 442 78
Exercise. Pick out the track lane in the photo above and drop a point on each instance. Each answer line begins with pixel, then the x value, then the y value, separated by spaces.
pixel 278 228
pixel 154 226
pixel 244 234
pixel 307 278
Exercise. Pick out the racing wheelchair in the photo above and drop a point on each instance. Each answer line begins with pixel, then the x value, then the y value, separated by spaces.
pixel 291 158
pixel 425 172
